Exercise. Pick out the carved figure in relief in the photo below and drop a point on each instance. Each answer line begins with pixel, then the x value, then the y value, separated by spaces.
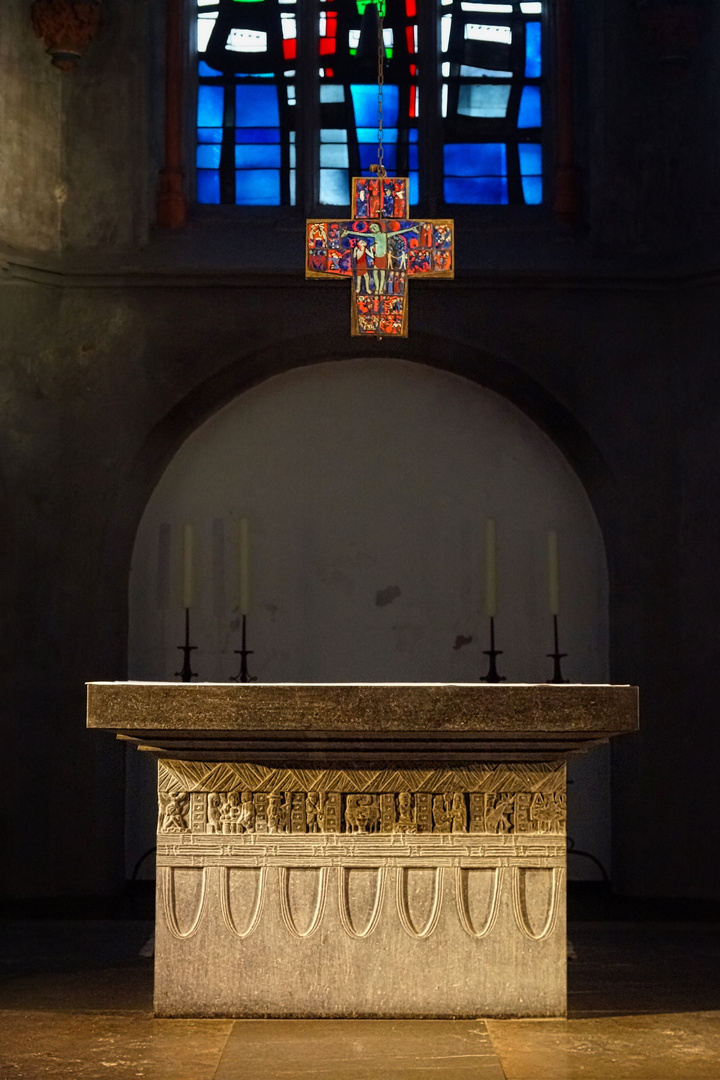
pixel 497 818
pixel 230 812
pixel 312 810
pixel 274 813
pixel 285 813
pixel 458 813
pixel 548 812
pixel 405 821
pixel 174 809
pixel 441 814
pixel 214 810
pixel 246 815
pixel 362 813
pixel 320 815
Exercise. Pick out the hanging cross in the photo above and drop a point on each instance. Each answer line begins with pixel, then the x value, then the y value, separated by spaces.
pixel 380 249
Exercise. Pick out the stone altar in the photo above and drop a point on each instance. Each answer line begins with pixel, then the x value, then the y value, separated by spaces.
pixel 374 850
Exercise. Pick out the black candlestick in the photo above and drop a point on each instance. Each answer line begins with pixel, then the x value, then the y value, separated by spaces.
pixel 556 656
pixel 492 653
pixel 243 675
pixel 187 672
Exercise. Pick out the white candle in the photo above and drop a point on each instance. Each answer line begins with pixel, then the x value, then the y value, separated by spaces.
pixel 187 567
pixel 490 568
pixel 553 573
pixel 244 567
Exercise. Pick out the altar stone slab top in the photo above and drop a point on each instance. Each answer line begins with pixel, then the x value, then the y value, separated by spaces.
pixel 334 722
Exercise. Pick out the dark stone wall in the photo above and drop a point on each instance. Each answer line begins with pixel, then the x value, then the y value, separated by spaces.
pixel 117 342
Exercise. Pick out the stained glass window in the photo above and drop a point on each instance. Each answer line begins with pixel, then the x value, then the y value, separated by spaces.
pixel 247 51
pixel 491 104
pixel 349 99
pixel 483 137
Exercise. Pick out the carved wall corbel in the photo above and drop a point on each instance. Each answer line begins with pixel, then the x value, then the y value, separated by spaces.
pixel 67 27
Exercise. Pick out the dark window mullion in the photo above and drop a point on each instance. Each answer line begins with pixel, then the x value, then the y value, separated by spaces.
pixel 227 152
pixel 430 134
pixel 308 107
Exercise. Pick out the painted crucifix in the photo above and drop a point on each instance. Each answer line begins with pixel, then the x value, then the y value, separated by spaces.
pixel 380 248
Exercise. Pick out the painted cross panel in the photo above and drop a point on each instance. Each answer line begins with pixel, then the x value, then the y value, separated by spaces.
pixel 380 248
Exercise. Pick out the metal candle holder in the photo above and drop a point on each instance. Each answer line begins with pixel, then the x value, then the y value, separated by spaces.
pixel 556 656
pixel 492 653
pixel 243 675
pixel 187 673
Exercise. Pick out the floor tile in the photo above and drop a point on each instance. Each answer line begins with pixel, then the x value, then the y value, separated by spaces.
pixel 683 1046
pixel 87 1046
pixel 359 1050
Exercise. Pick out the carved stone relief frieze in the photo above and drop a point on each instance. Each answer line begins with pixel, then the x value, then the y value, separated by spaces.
pixel 238 813
pixel 234 799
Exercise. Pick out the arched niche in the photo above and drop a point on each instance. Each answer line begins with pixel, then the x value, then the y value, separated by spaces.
pixel 367 484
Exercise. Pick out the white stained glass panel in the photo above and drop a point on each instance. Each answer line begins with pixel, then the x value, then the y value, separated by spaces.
pixel 333 135
pixel 334 187
pixel 330 93
pixel 205 26
pixel 334 156
pixel 289 26
pixel 250 41
pixel 483 100
pixel 478 32
pixel 468 72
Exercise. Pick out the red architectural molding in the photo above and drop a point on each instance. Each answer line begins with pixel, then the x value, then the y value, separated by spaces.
pixel 172 204
pixel 567 187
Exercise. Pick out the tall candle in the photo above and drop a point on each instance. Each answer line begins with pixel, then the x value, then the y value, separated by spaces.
pixel 187 567
pixel 553 573
pixel 490 568
pixel 244 566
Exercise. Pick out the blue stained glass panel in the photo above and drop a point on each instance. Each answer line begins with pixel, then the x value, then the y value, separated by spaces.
pixel 530 159
pixel 258 187
pixel 413 135
pixel 413 188
pixel 533 50
pixel 210 135
pixel 532 190
pixel 482 189
pixel 365 103
pixel 211 101
pixel 369 155
pixel 367 134
pixel 334 187
pixel 413 156
pixel 205 69
pixel 208 186
pixel 257 135
pixel 475 159
pixel 208 156
pixel 529 115
pixel 256 106
pixel 257 156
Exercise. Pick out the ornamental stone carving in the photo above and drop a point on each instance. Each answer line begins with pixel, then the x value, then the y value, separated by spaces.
pixel 491 800
pixel 67 28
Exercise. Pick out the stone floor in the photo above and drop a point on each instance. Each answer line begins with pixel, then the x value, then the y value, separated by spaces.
pixel 75 1004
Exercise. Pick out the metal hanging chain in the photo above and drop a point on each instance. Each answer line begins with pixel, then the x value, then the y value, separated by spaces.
pixel 381 84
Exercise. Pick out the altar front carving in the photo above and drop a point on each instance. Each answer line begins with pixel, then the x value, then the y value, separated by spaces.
pixel 345 890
